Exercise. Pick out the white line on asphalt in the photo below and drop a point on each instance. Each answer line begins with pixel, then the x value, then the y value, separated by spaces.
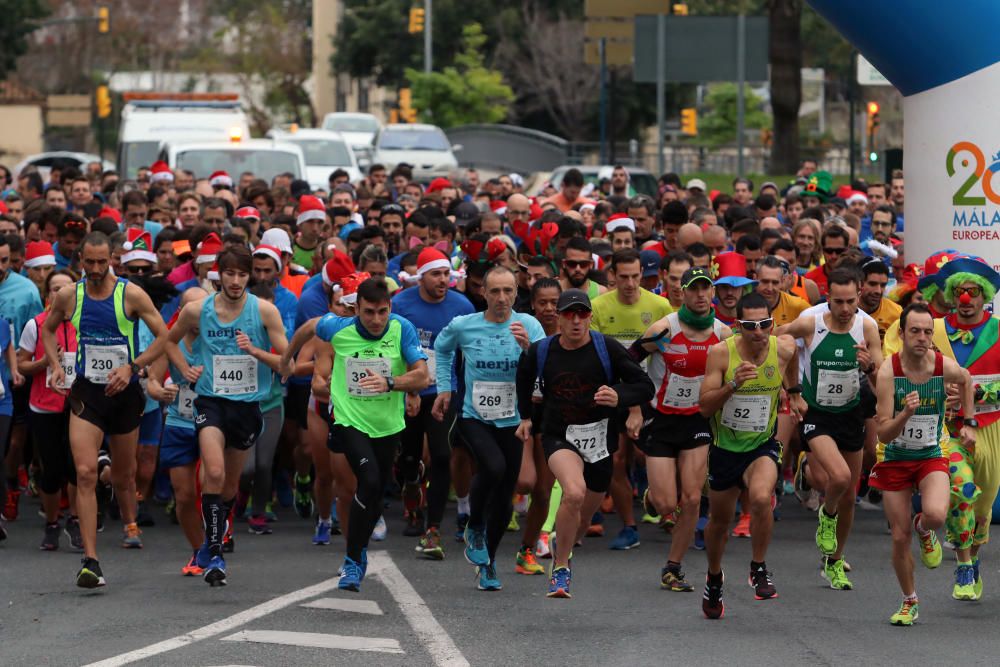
pixel 340 604
pixel 316 640
pixel 434 638
pixel 217 628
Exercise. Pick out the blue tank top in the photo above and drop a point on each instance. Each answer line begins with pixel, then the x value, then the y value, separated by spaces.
pixel 230 372
pixel 180 413
pixel 107 338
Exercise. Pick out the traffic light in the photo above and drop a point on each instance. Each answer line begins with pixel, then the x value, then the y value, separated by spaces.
pixel 873 156
pixel 416 20
pixel 407 114
pixel 103 99
pixel 689 121
pixel 680 9
pixel 873 119
pixel 103 19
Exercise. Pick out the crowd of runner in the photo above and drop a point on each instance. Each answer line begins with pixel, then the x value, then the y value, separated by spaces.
pixel 226 346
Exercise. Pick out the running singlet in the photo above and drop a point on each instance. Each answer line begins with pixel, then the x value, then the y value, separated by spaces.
pixel 41 397
pixel 831 382
pixel 357 354
pixel 746 420
pixel 627 323
pixel 429 319
pixel 685 365
pixel 788 308
pixel 885 315
pixel 180 413
pixel 490 369
pixel 230 372
pixel 108 338
pixel 922 433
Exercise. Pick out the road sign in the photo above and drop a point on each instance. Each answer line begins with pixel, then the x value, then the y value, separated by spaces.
pixel 614 21
pixel 687 59
pixel 624 8
pixel 617 53
pixel 68 110
pixel 868 75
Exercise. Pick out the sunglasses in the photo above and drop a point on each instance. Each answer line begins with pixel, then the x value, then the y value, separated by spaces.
pixel 575 313
pixel 578 263
pixel 753 325
pixel 971 291
pixel 139 270
pixel 834 251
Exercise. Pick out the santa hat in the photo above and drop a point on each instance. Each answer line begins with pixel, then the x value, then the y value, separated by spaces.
pixel 160 172
pixel 338 266
pixel 39 253
pixel 430 259
pixel 856 196
pixel 348 287
pixel 277 237
pixel 439 184
pixel 209 248
pixel 220 179
pixel 108 212
pixel 310 208
pixel 587 207
pixel 268 251
pixel 619 221
pixel 248 213
pixel 3 208
pixel 213 273
pixel 138 246
pixel 730 268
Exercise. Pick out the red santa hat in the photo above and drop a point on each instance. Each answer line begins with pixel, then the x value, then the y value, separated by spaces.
pixel 209 248
pixel 856 196
pixel 39 253
pixel 268 251
pixel 213 273
pixel 349 284
pixel 338 266
pixel 160 172
pixel 310 208
pixel 248 213
pixel 430 259
pixel 220 179
pixel 619 221
pixel 108 212
pixel 439 183
pixel 139 245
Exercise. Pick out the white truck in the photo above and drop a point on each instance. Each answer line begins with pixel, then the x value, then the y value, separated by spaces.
pixel 264 158
pixel 149 119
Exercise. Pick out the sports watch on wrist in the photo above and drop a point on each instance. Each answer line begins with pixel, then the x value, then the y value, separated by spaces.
pixel 973 422
pixel 390 382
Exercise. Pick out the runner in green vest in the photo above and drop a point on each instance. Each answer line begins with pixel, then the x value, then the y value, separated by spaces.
pixel 910 413
pixel 837 345
pixel 577 262
pixel 740 393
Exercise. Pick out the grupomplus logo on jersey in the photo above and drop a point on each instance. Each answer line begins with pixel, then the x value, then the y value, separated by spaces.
pixel 975 203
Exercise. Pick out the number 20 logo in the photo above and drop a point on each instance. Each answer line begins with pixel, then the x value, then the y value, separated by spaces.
pixel 979 172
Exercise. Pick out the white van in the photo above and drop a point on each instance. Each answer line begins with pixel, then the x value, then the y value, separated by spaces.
pixel 264 158
pixel 149 119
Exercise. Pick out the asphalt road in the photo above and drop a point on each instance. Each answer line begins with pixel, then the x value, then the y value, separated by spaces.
pixel 282 607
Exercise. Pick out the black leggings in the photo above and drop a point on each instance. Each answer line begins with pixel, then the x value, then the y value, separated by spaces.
pixel 439 444
pixel 371 460
pixel 50 433
pixel 498 463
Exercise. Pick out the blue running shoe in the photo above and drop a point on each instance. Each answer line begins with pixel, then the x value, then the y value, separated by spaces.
pixel 322 535
pixel 628 538
pixel 215 573
pixel 351 575
pixel 463 521
pixel 203 556
pixel 699 534
pixel 488 580
pixel 283 490
pixel 475 547
pixel 559 583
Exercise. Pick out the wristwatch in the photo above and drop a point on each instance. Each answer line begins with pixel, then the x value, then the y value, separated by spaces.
pixel 734 385
pixel 973 422
pixel 390 382
pixel 134 368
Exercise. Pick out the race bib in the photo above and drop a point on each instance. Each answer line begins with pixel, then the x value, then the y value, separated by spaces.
pixel 234 374
pixel 682 392
pixel 747 413
pixel 431 364
pixel 591 440
pixel 102 359
pixel 185 401
pixel 984 408
pixel 836 388
pixel 358 369
pixel 494 400
pixel 69 370
pixel 919 432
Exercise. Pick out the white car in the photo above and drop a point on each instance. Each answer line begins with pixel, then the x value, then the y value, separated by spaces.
pixel 324 151
pixel 264 158
pixel 424 147
pixel 45 161
pixel 357 129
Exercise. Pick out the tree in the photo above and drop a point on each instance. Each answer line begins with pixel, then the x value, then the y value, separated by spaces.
pixel 718 125
pixel 785 42
pixel 467 92
pixel 20 19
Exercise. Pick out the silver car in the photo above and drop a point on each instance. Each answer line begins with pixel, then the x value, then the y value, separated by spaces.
pixel 424 147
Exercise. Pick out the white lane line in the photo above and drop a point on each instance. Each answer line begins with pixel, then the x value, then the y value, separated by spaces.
pixel 341 604
pixel 219 627
pixel 434 638
pixel 316 640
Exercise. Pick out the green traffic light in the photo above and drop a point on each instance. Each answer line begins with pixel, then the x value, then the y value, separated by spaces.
pixel 873 156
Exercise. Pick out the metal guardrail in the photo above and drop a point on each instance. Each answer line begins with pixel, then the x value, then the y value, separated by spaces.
pixel 507 148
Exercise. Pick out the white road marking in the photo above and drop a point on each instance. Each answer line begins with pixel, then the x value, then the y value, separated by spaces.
pixel 343 604
pixel 316 640
pixel 436 641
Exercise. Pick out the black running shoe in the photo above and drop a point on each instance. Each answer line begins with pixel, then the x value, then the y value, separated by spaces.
pixel 51 540
pixel 711 603
pixel 90 575
pixel 760 581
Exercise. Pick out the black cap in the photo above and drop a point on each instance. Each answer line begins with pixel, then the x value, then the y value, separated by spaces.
pixel 693 275
pixel 299 187
pixel 465 213
pixel 572 298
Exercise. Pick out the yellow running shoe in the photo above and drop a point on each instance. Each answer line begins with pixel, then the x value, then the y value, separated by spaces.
pixel 930 548
pixel 907 614
pixel 526 563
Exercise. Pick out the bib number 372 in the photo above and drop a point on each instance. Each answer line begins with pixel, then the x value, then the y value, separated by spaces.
pixel 591 440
